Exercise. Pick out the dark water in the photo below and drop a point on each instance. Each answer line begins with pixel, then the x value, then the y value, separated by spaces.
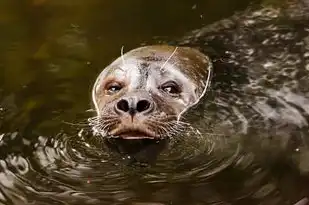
pixel 50 54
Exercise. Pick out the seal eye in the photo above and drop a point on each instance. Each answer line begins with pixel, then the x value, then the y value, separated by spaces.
pixel 171 88
pixel 113 88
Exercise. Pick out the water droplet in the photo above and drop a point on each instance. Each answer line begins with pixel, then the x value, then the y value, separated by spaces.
pixel 13 136
pixel 80 133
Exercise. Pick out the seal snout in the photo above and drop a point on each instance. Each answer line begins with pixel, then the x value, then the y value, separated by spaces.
pixel 132 110
pixel 134 105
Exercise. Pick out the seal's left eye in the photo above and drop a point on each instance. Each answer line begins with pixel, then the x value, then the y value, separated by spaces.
pixel 113 88
pixel 171 88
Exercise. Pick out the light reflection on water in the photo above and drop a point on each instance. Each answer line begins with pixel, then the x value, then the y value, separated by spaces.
pixel 73 170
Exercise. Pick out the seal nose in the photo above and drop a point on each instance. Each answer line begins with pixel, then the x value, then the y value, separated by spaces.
pixel 134 105
pixel 123 105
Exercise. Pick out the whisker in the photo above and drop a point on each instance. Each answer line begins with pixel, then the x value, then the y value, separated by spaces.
pixel 101 119
pixel 105 116
pixel 101 124
pixel 122 58
pixel 180 123
pixel 108 121
pixel 176 128
pixel 75 124
pixel 159 128
pixel 162 67
pixel 167 128
pixel 93 119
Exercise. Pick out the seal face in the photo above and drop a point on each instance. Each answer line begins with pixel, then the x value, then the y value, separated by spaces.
pixel 143 93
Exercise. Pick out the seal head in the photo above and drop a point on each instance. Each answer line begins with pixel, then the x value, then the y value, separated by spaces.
pixel 143 93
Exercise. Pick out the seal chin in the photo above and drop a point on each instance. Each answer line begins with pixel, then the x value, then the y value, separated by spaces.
pixel 133 133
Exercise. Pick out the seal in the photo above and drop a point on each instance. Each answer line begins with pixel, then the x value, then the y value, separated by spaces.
pixel 144 92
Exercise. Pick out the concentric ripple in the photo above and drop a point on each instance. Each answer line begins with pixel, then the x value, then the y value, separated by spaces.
pixel 83 169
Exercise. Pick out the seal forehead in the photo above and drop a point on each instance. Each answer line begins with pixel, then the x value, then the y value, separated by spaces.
pixel 188 60
pixel 138 62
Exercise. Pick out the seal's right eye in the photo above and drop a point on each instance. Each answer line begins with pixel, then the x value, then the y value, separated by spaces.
pixel 113 88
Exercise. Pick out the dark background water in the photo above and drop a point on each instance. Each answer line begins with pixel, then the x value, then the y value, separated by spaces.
pixel 51 51
pixel 50 54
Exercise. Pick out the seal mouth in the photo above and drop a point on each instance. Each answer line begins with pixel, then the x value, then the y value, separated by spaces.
pixel 133 134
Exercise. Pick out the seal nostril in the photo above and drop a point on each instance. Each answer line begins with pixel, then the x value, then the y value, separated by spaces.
pixel 142 105
pixel 123 105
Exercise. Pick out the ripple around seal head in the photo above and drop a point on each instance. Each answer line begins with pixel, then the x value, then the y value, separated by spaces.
pixel 79 170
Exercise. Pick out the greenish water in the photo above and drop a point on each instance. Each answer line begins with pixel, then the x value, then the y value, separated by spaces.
pixel 51 51
pixel 50 54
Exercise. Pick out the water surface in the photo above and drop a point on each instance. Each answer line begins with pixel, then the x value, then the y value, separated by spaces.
pixel 50 54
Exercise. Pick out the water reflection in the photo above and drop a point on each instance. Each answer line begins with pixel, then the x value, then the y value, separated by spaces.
pixel 74 170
